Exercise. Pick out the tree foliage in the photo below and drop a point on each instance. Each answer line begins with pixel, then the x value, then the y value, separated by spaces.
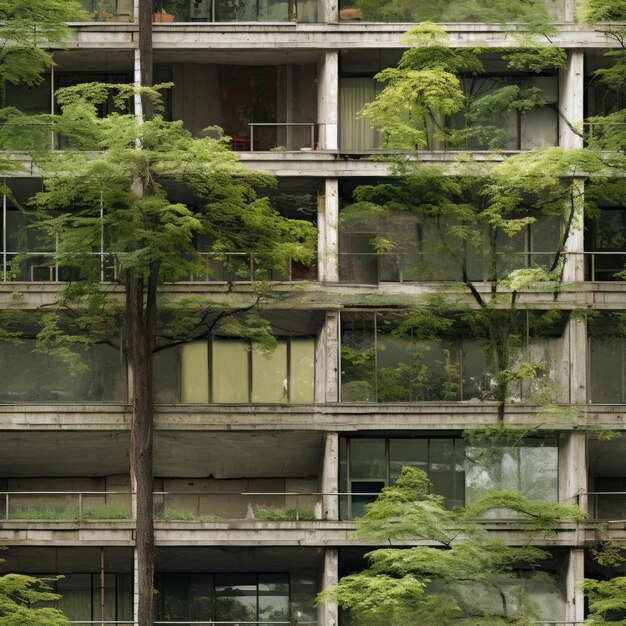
pixel 20 596
pixel 459 575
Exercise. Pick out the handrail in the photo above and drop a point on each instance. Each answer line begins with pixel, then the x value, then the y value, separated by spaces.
pixel 312 125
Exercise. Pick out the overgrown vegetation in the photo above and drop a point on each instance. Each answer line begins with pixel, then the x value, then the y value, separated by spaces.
pixel 462 575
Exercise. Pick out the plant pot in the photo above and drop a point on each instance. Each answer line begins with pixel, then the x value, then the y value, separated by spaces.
pixel 162 16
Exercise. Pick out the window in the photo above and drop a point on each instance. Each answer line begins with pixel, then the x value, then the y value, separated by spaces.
pixel 369 464
pixel 459 471
pixel 263 598
pixel 227 370
pixel 606 244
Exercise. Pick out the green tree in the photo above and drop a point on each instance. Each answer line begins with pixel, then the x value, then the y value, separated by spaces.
pixel 19 597
pixel 461 576
pixel 120 193
pixel 607 601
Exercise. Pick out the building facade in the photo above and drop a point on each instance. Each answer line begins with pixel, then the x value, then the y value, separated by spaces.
pixel 262 464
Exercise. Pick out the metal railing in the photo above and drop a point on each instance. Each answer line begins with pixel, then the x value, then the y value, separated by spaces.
pixel 381 267
pixel 108 10
pixel 222 267
pixel 66 505
pixel 243 267
pixel 226 11
pixel 179 506
pixel 290 141
pixel 603 266
pixel 203 623
pixel 606 506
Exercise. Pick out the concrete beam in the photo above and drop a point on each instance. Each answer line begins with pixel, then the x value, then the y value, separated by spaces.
pixel 320 36
pixel 342 417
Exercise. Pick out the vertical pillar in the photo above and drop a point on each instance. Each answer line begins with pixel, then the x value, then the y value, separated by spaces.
pixel 573 468
pixel 328 232
pixel 571 113
pixel 328 612
pixel 330 477
pixel 328 100
pixel 571 99
pixel 327 360
pixel 135 587
pixel 137 78
pixel 575 598
pixel 329 11
pixel 574 361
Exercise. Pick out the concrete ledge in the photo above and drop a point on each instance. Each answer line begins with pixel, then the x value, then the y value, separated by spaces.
pixel 340 417
pixel 252 533
pixel 343 35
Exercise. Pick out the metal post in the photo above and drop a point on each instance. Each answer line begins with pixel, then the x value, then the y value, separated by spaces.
pixel 4 236
pixel 593 266
pixel 251 137
pixel 252 267
pixel 312 136
pixel 297 507
pixel 7 505
pixel 80 505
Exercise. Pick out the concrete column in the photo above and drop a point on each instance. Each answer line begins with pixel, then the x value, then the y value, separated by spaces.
pixel 328 612
pixel 327 360
pixel 575 599
pixel 571 114
pixel 574 361
pixel 573 469
pixel 569 13
pixel 571 99
pixel 328 100
pixel 328 232
pixel 330 477
pixel 135 587
pixel 328 11
pixel 137 81
pixel 574 270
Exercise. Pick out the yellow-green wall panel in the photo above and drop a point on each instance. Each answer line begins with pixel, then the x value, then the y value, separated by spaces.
pixel 302 384
pixel 269 374
pixel 229 369
pixel 194 372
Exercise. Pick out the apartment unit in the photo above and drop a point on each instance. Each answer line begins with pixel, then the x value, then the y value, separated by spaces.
pixel 262 464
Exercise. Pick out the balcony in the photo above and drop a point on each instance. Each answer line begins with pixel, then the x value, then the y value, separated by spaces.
pixel 168 11
pixel 108 10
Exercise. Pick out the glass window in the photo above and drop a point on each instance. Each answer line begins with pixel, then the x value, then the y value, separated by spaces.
pixel 102 379
pixel 368 470
pixel 530 469
pixel 166 368
pixel 235 597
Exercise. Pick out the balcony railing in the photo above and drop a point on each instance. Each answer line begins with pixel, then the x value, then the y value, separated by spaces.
pixel 109 10
pixel 66 505
pixel 243 267
pixel 384 267
pixel 283 136
pixel 221 268
pixel 169 506
pixel 604 266
pixel 168 11
pixel 211 623
pixel 608 506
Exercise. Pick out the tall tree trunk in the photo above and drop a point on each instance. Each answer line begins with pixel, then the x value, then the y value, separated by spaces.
pixel 146 55
pixel 141 307
pixel 140 315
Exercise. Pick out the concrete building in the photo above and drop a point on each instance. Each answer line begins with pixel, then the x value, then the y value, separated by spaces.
pixel 261 466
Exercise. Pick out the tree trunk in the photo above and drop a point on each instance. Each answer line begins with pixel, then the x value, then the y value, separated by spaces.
pixel 140 315
pixel 145 54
